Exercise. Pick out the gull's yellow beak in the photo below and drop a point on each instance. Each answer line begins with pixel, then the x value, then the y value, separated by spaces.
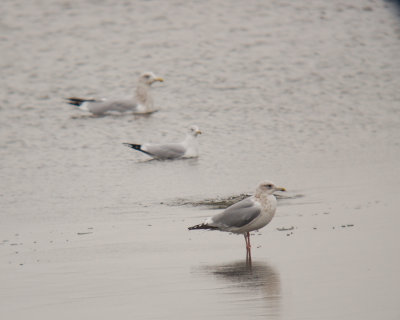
pixel 280 189
pixel 159 79
pixel 199 132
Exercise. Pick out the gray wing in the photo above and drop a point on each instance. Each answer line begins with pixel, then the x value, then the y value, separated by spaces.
pixel 237 215
pixel 165 151
pixel 100 107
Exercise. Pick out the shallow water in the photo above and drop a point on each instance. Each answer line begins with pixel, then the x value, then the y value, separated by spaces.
pixel 305 94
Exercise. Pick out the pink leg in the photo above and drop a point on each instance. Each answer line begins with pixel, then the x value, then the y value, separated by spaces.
pixel 247 239
pixel 248 246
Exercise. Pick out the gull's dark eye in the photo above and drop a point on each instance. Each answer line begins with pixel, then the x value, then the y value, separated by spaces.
pixel 146 76
pixel 269 186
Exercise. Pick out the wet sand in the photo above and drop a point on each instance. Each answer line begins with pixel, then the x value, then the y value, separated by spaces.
pixel 336 260
pixel 303 94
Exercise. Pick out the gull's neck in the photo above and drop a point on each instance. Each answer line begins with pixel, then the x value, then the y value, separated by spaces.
pixel 267 202
pixel 191 146
pixel 189 139
pixel 143 95
pixel 264 197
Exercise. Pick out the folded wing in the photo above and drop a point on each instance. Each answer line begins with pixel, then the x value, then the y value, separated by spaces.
pixel 165 151
pixel 237 215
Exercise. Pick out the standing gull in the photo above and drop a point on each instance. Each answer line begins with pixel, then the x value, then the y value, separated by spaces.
pixel 141 103
pixel 188 148
pixel 249 214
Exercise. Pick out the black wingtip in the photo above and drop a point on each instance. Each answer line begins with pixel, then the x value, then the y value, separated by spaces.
pixel 73 102
pixel 133 146
pixel 77 101
pixel 202 226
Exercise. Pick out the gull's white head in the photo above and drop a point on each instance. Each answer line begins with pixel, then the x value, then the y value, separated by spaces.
pixel 194 130
pixel 268 187
pixel 149 77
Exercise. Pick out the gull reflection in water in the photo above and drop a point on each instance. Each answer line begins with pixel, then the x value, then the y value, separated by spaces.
pixel 250 278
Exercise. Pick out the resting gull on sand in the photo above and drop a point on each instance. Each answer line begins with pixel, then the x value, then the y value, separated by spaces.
pixel 249 214
pixel 141 103
pixel 188 148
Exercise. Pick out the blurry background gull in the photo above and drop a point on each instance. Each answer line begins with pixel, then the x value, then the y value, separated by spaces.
pixel 141 103
pixel 188 148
